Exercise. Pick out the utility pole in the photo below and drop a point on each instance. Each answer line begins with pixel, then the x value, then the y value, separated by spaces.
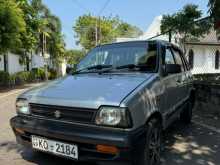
pixel 98 21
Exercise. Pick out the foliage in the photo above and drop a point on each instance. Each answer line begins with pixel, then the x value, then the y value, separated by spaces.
pixel 51 28
pixel 186 24
pixel 38 73
pixel 21 77
pixel 4 78
pixel 52 74
pixel 215 12
pixel 209 78
pixel 126 30
pixel 74 56
pixel 22 25
pixel 108 29
pixel 12 25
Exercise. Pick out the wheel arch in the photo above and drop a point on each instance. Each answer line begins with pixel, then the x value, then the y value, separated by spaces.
pixel 156 115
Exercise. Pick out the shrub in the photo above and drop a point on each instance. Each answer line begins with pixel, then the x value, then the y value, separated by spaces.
pixel 4 78
pixel 212 78
pixel 22 77
pixel 12 80
pixel 52 74
pixel 38 74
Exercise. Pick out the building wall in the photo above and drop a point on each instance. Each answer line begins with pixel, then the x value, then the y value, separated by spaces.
pixel 204 58
pixel 37 61
pixel 13 64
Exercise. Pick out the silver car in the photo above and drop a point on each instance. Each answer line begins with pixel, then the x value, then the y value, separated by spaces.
pixel 113 108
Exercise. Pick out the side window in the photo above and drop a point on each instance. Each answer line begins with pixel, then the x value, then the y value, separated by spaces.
pixel 169 57
pixel 178 59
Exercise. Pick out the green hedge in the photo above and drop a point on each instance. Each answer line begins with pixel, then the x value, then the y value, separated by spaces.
pixel 4 78
pixel 52 74
pixel 211 78
pixel 23 77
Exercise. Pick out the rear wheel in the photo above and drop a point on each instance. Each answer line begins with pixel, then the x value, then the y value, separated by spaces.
pixel 186 114
pixel 152 149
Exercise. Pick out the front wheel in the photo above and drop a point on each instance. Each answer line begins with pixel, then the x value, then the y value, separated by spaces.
pixel 152 149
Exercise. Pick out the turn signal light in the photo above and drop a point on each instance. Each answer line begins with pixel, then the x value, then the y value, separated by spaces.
pixel 107 149
pixel 19 130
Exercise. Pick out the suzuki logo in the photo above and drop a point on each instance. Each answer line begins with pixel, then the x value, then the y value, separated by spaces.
pixel 57 114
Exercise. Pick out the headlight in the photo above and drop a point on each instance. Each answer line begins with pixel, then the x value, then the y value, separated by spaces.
pixel 113 116
pixel 22 106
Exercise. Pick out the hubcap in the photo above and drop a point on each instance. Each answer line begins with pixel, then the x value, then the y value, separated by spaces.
pixel 155 147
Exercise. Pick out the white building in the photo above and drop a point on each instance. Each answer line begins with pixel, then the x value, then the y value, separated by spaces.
pixel 12 63
pixel 203 55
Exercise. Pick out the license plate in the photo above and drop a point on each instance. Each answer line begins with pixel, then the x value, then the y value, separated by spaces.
pixel 55 147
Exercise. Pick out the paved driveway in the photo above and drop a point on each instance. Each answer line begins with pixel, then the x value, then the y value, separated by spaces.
pixel 184 145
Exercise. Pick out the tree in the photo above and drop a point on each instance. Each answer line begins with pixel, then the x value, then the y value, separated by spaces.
pixel 50 29
pixel 126 30
pixel 74 56
pixel 215 12
pixel 12 25
pixel 108 30
pixel 186 24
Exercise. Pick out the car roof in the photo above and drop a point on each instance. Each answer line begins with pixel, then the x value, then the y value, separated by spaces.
pixel 138 41
pixel 163 42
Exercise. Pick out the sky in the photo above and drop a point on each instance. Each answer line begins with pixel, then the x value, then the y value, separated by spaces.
pixel 136 12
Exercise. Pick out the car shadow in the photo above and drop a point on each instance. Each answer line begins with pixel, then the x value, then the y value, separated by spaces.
pixel 191 144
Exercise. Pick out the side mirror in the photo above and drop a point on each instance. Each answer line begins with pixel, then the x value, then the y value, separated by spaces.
pixel 172 68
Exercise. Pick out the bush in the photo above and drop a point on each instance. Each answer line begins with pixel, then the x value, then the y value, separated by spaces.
pixel 12 80
pixel 22 77
pixel 4 78
pixel 38 74
pixel 211 78
pixel 52 74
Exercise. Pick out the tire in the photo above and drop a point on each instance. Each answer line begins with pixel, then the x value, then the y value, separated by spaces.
pixel 186 114
pixel 152 149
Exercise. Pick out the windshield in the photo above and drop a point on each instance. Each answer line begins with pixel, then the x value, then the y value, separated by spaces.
pixel 122 54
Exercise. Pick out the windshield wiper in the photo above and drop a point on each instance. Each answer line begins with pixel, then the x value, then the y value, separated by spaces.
pixel 131 66
pixel 97 67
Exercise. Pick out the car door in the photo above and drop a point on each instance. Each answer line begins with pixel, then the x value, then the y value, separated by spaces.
pixel 181 78
pixel 170 83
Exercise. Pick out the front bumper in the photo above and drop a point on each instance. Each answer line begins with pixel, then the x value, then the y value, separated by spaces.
pixel 129 143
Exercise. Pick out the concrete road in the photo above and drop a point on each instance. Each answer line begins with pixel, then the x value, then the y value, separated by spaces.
pixel 184 145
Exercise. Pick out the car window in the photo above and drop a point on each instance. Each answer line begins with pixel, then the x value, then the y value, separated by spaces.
pixel 169 57
pixel 178 59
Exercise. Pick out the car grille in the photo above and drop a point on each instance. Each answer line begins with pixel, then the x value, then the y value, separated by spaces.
pixel 79 115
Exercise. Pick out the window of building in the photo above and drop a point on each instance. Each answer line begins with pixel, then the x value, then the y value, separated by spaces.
pixel 217 60
pixel 191 58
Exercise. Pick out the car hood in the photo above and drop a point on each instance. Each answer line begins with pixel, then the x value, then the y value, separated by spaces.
pixel 86 91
